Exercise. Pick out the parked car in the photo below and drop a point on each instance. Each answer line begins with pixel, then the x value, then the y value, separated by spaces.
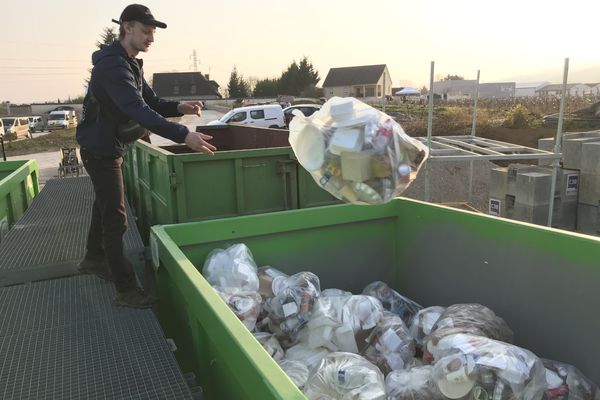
pixel 61 120
pixel 306 109
pixel 266 116
pixel 36 123
pixel 18 126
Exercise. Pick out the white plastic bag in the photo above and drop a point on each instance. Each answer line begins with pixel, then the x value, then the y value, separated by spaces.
pixel 412 384
pixel 296 370
pixel 355 152
pixel 232 269
pixel 270 343
pixel 345 376
pixel 392 300
pixel 245 305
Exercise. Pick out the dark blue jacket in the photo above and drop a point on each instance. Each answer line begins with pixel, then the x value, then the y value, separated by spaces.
pixel 117 93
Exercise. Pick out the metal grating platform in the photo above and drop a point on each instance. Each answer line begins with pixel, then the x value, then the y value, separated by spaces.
pixel 64 339
pixel 49 240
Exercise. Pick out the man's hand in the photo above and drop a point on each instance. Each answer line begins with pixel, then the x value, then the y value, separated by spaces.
pixel 198 141
pixel 190 107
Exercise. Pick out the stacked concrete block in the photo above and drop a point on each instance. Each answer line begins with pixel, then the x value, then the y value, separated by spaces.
pixel 589 192
pixel 572 151
pixel 546 144
pixel 522 192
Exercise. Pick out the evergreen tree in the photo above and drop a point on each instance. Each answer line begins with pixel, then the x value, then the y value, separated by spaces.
pixel 233 87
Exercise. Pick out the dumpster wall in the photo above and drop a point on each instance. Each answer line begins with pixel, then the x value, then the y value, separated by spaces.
pixel 542 281
pixel 18 186
pixel 254 171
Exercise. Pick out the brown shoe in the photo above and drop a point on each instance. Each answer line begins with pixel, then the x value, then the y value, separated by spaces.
pixel 95 267
pixel 135 298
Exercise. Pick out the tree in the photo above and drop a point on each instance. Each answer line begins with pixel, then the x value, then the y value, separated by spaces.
pixel 424 90
pixel 107 36
pixel 307 77
pixel 453 78
pixel 266 88
pixel 237 87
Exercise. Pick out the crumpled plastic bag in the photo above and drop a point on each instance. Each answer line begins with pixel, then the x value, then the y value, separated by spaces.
pixel 564 381
pixel 290 309
pixel 232 268
pixel 423 322
pixel 245 305
pixel 345 376
pixel 412 384
pixel 270 343
pixel 392 300
pixel 355 152
pixel 304 354
pixel 296 370
pixel 390 345
pixel 485 368
pixel 471 318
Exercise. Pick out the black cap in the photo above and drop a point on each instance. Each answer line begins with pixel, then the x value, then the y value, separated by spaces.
pixel 140 13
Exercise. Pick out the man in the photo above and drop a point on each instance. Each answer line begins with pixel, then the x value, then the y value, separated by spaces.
pixel 118 106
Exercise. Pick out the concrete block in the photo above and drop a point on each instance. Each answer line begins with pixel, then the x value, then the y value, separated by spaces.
pixel 589 189
pixel 567 184
pixel 546 144
pixel 533 188
pixel 590 158
pixel 535 214
pixel 564 215
pixel 572 152
pixel 588 219
pixel 498 182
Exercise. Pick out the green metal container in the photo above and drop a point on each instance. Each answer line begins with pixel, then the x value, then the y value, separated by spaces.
pixel 254 171
pixel 18 186
pixel 542 281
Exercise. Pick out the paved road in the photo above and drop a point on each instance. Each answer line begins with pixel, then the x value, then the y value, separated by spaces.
pixel 48 161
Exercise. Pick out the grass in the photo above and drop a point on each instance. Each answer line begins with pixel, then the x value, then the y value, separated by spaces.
pixel 50 142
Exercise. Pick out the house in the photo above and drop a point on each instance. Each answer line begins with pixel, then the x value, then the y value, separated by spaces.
pixel 595 88
pixel 360 81
pixel 573 89
pixel 527 89
pixel 497 90
pixel 185 85
pixel 455 89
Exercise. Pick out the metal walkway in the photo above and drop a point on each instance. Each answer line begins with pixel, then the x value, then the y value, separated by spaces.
pixel 64 338
pixel 49 240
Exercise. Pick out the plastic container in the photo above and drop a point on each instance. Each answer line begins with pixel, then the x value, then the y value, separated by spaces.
pixel 542 282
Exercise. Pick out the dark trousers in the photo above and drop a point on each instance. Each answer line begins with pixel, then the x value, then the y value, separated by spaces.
pixel 109 219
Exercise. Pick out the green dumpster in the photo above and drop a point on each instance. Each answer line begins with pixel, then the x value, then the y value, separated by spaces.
pixel 18 186
pixel 542 281
pixel 254 171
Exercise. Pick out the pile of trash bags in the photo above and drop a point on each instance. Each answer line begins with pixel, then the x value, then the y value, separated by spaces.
pixel 381 345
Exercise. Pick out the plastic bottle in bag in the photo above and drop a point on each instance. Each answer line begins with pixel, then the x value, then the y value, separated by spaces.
pixel 296 370
pixel 266 276
pixel 423 322
pixel 245 305
pixel 412 384
pixel 565 382
pixel 360 316
pixel 345 376
pixel 233 269
pixel 390 345
pixel 392 300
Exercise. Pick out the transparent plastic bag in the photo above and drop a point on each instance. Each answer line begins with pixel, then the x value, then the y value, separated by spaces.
pixel 392 300
pixel 345 376
pixel 245 305
pixel 412 384
pixel 289 310
pixel 423 322
pixel 270 343
pixel 355 152
pixel 565 382
pixel 486 368
pixel 266 276
pixel 360 315
pixel 304 354
pixel 233 268
pixel 472 318
pixel 296 370
pixel 327 315
pixel 390 345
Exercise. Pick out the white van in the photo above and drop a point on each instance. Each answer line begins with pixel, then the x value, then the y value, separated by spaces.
pixel 61 120
pixel 19 126
pixel 35 123
pixel 266 116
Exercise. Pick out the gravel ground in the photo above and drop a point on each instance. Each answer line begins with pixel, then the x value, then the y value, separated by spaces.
pixel 449 182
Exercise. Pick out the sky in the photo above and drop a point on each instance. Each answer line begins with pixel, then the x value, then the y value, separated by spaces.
pixel 45 49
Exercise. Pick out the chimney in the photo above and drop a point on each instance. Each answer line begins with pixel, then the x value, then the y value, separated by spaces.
pixel 207 77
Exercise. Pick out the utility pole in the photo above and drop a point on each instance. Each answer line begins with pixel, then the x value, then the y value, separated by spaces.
pixel 195 61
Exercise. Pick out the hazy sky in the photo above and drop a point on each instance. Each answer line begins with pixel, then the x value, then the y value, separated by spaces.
pixel 46 45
